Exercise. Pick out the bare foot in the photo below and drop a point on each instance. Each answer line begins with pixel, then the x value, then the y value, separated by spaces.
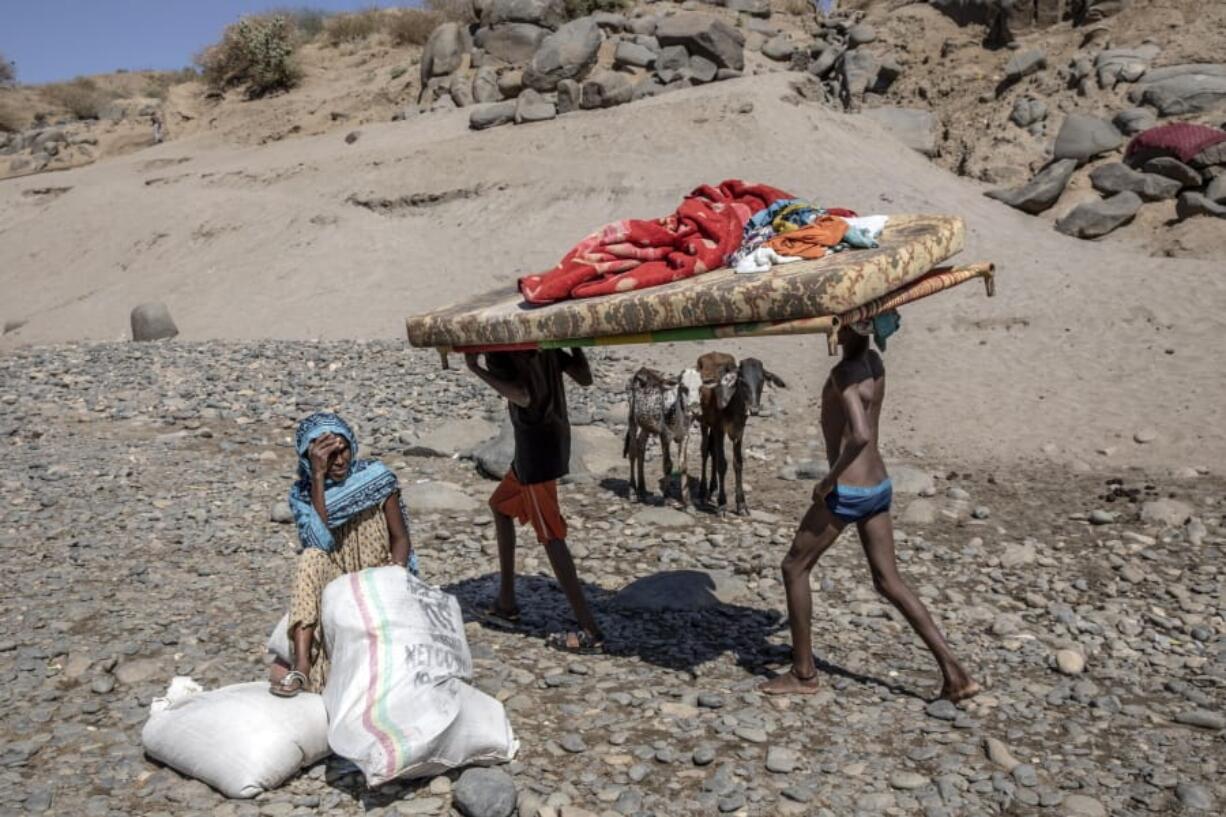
pixel 277 672
pixel 960 691
pixel 789 683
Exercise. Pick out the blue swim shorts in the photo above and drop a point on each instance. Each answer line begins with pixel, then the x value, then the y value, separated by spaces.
pixel 851 503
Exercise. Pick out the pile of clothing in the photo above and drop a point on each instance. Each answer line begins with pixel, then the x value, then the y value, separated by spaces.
pixel 750 226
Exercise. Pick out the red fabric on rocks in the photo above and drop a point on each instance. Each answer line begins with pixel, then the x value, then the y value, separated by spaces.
pixel 1183 140
pixel 640 253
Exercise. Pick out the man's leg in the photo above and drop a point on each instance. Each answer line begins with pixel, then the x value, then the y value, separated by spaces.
pixel 504 532
pixel 568 579
pixel 818 531
pixel 877 537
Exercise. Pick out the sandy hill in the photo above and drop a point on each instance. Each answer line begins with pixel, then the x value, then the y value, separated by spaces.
pixel 314 238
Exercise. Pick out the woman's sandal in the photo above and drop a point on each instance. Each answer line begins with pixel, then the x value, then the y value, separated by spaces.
pixel 576 642
pixel 289 686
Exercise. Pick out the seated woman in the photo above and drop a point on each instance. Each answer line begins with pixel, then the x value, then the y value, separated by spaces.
pixel 350 516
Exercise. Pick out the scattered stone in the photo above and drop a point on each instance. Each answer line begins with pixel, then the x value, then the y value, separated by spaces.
pixel 1041 192
pixel 511 83
pixel 570 95
pixel 1194 796
pixel 281 513
pixel 1028 111
pixel 919 512
pixel 1016 555
pixel 781 760
pixel 485 86
pixel 779 48
pixel 633 55
pixel 512 43
pixel 482 792
pixel 999 754
pixel 1118 178
pixel 1080 805
pixel 1216 191
pixel 1202 719
pixel 605 89
pixel 1070 662
pixel 1094 219
pixel 139 671
pixel 436 497
pixel 1083 137
pixel 573 743
pixel 942 710
pixel 908 781
pixel 152 321
pixel 1181 94
pixel 1100 517
pixel 444 51
pixel 703 756
pixel 1169 513
pixel 1135 120
pixel 352 136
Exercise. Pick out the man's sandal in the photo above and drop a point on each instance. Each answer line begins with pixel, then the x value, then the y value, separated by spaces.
pixel 576 642
pixel 497 617
pixel 289 686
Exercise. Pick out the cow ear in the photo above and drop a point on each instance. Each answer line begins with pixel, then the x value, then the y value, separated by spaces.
pixel 775 379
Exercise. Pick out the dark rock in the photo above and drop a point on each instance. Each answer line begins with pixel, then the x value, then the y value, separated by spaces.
pixel 1216 191
pixel 1192 204
pixel 860 70
pixel 673 58
pixel 1083 137
pixel 1123 64
pixel 568 53
pixel 704 35
pixel 754 8
pixel 680 590
pixel 461 90
pixel 485 793
pixel 1183 90
pixel 152 321
pixel 490 116
pixel 1172 168
pixel 861 34
pixel 1115 178
pixel 1097 218
pixel 608 21
pixel 570 94
pixel 1194 796
pixel 444 51
pixel 914 127
pixel 779 48
pixel 510 83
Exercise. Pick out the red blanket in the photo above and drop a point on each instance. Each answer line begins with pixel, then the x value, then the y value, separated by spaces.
pixel 637 253
pixel 1182 140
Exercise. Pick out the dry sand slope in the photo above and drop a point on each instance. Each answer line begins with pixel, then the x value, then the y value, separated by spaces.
pixel 1084 345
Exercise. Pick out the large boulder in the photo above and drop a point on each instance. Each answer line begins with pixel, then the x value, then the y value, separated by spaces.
pixel 1041 192
pixel 633 55
pixel 1116 178
pixel 549 14
pixel 1216 191
pixel 568 53
pixel 753 8
pixel 914 127
pixel 444 51
pixel 1097 218
pixel 1023 64
pixel 704 35
pixel 1083 137
pixel 1134 120
pixel 860 70
pixel 514 43
pixel 152 321
pixel 779 48
pixel 1172 168
pixel 680 590
pixel 438 497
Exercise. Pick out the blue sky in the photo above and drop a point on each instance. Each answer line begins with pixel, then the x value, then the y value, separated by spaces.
pixel 59 39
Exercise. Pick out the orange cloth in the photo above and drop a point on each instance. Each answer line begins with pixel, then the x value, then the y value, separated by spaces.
pixel 811 241
pixel 536 503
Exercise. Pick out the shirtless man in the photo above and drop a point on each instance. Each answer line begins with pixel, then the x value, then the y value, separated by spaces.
pixel 531 383
pixel 857 489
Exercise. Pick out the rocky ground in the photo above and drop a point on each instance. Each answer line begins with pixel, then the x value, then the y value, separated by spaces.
pixel 141 494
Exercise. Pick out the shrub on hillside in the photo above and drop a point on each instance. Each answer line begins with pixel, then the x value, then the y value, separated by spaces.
pixel 412 26
pixel 584 8
pixel 308 23
pixel 82 97
pixel 352 28
pixel 256 52
pixel 8 71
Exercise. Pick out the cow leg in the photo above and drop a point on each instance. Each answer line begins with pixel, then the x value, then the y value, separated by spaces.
pixel 684 442
pixel 641 455
pixel 738 463
pixel 721 464
pixel 703 433
pixel 666 482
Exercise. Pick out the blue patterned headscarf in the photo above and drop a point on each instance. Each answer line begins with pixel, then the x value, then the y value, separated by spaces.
pixel 368 484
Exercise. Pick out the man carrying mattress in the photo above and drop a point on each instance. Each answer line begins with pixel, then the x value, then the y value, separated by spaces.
pixel 857 491
pixel 532 384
